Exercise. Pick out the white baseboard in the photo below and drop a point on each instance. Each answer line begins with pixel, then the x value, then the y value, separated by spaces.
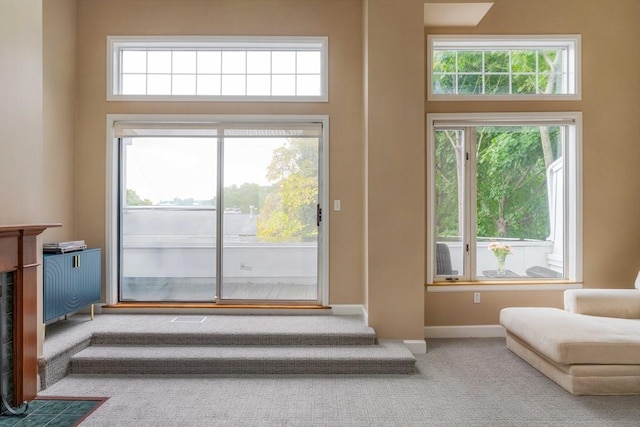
pixel 349 309
pixel 465 331
pixel 416 346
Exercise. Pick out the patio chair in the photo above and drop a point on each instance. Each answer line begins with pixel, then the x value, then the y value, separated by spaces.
pixel 443 261
pixel 542 272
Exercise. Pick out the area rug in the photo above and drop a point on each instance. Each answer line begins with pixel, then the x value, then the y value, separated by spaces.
pixel 54 411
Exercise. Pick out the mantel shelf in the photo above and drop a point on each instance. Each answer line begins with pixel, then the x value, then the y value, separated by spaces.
pixel 28 228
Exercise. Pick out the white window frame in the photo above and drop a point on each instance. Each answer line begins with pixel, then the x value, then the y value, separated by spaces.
pixel 571 42
pixel 115 45
pixel 113 177
pixel 573 201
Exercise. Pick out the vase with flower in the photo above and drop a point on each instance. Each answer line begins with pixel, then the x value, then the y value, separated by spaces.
pixel 500 250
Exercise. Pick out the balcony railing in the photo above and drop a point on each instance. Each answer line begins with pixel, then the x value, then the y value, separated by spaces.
pixel 525 255
pixel 171 253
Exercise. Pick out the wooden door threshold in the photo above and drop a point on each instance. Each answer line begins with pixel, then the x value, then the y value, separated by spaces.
pixel 208 306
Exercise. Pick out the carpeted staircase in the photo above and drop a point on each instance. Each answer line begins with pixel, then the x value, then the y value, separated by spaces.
pixel 219 344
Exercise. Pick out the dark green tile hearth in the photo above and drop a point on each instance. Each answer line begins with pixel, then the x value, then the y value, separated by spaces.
pixel 52 413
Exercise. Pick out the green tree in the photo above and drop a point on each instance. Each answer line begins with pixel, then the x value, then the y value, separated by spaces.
pixel 511 182
pixel 449 197
pixel 289 211
pixel 511 190
pixel 244 196
pixel 133 199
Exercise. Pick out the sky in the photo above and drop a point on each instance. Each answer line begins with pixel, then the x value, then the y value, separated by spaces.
pixel 160 169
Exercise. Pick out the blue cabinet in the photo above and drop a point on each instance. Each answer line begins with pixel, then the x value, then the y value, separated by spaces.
pixel 71 281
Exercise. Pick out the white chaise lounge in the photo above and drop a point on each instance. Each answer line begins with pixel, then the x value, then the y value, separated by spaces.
pixel 592 347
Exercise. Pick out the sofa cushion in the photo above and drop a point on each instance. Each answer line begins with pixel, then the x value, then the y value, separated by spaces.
pixel 623 303
pixel 569 338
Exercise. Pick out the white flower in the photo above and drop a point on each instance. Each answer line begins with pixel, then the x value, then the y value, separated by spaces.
pixel 500 249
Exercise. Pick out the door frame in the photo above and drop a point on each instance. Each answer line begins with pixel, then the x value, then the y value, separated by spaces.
pixel 113 175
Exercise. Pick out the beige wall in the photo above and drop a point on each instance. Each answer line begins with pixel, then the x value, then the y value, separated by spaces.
pixel 339 20
pixel 395 159
pixel 611 143
pixel 21 172
pixel 37 116
pixel 59 114
pixel 58 121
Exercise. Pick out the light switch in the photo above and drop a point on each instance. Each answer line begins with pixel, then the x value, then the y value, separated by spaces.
pixel 336 205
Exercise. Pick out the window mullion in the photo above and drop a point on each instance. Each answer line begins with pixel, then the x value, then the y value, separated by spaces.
pixel 537 71
pixel 510 72
pixel 221 69
pixel 484 73
pixel 455 80
pixel 295 73
pixel 246 72
pixel 171 75
pixel 471 195
pixel 219 211
pixel 146 72
pixel 196 74
pixel 271 73
pixel 120 70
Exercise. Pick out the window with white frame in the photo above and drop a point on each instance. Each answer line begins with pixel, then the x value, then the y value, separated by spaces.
pixel 217 68
pixel 504 197
pixel 503 67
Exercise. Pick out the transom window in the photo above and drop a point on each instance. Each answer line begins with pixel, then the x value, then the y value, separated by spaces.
pixel 505 67
pixel 504 197
pixel 218 68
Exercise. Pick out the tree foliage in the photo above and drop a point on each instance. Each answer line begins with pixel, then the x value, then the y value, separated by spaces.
pixel 244 196
pixel 511 192
pixel 133 199
pixel 496 72
pixel 289 211
pixel 448 180
pixel 511 182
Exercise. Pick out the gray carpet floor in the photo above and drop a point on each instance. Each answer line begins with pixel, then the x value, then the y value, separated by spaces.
pixel 461 382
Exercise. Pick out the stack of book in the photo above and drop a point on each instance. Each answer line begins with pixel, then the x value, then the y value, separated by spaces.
pixel 63 247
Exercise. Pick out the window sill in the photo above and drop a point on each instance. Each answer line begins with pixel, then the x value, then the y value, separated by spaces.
pixel 533 97
pixel 214 98
pixel 501 286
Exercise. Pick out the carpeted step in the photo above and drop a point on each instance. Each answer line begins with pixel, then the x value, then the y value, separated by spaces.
pixel 218 344
pixel 239 330
pixel 364 337
pixel 387 357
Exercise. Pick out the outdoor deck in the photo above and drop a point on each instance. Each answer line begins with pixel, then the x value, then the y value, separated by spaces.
pixel 204 289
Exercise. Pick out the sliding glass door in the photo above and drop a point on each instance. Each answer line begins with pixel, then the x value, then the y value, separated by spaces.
pixel 168 219
pixel 225 213
pixel 270 228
